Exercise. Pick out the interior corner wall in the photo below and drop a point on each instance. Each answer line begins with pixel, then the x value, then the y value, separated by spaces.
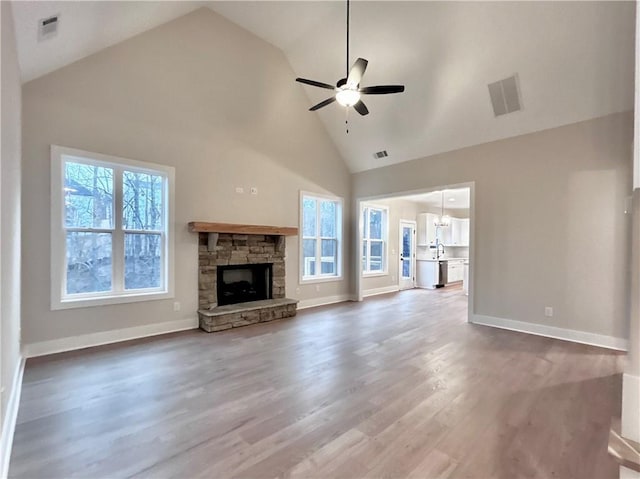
pixel 208 98
pixel 10 167
pixel 550 222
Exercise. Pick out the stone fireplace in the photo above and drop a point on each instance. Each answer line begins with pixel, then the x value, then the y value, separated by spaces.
pixel 241 275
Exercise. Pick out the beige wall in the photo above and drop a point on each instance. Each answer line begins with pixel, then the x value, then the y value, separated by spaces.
pixel 544 203
pixel 202 95
pixel 398 209
pixel 9 209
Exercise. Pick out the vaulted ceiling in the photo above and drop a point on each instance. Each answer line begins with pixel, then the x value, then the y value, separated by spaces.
pixel 574 60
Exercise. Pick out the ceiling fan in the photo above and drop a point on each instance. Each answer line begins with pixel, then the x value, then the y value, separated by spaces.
pixel 348 90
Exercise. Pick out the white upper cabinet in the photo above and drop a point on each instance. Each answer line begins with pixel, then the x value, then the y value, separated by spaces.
pixel 459 232
pixel 426 229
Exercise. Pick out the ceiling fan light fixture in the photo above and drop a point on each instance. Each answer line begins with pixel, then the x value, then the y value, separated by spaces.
pixel 347 97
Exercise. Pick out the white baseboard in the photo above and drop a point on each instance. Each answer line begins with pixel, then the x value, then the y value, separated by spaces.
pixel 325 300
pixel 107 337
pixel 11 416
pixel 630 419
pixel 384 290
pixel 572 335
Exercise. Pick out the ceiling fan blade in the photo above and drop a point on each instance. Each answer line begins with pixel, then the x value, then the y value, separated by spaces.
pixel 328 101
pixel 356 72
pixel 315 83
pixel 381 90
pixel 361 108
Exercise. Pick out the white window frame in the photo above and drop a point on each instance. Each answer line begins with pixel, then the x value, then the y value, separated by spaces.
pixel 59 298
pixel 321 278
pixel 366 270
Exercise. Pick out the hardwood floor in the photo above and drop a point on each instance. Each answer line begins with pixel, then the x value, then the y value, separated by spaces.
pixel 397 386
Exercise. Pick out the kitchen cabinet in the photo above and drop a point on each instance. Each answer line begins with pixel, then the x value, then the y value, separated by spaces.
pixel 455 271
pixel 459 232
pixel 428 231
pixel 426 274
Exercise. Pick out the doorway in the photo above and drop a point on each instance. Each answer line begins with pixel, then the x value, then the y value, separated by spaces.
pixel 435 262
pixel 407 266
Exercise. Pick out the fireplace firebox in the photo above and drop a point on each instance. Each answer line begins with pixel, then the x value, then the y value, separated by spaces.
pixel 244 283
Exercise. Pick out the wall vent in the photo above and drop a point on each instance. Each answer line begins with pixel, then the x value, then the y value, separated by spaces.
pixel 380 154
pixel 48 27
pixel 505 95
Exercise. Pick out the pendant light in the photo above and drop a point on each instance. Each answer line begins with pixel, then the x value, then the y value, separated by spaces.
pixel 443 220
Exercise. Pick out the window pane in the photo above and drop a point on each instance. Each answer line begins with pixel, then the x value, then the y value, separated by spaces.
pixel 329 258
pixel 309 257
pixel 88 262
pixel 142 207
pixel 309 217
pixel 88 196
pixel 142 261
pixel 375 262
pixel 328 219
pixel 364 256
pixel 375 224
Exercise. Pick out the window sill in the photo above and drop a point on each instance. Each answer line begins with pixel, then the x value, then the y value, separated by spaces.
pixel 326 279
pixel 374 275
pixel 108 300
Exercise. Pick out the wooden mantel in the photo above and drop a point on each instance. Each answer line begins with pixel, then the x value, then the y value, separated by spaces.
pixel 203 227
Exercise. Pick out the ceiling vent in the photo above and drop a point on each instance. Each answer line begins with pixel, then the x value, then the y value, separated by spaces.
pixel 380 154
pixel 505 95
pixel 48 27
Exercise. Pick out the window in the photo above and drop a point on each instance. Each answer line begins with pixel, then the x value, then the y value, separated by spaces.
pixel 374 240
pixel 110 235
pixel 321 237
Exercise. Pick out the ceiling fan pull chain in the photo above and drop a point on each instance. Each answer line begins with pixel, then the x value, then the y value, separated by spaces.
pixel 346 119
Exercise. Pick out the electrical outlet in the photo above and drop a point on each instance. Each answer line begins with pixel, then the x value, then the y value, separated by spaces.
pixel 548 311
pixel 317 288
pixel 239 189
pixel 254 190
pixel 297 290
pixel 176 306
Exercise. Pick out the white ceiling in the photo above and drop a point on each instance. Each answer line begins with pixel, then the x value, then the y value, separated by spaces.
pixel 575 61
pixel 454 199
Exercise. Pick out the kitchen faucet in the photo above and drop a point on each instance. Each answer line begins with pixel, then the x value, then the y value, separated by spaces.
pixel 438 244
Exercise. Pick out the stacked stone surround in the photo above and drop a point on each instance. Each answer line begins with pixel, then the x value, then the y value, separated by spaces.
pixel 239 249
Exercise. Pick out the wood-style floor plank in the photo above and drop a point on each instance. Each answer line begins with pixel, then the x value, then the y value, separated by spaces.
pixel 397 386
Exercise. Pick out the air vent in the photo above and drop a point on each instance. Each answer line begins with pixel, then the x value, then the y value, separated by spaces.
pixel 380 154
pixel 505 95
pixel 48 27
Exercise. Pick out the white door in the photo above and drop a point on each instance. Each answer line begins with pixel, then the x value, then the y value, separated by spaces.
pixel 407 266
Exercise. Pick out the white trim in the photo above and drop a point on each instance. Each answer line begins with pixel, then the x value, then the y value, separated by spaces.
pixel 367 272
pixel 630 418
pixel 107 337
pixel 58 247
pixel 414 250
pixel 314 302
pixel 10 418
pixel 383 290
pixel 583 337
pixel 319 278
